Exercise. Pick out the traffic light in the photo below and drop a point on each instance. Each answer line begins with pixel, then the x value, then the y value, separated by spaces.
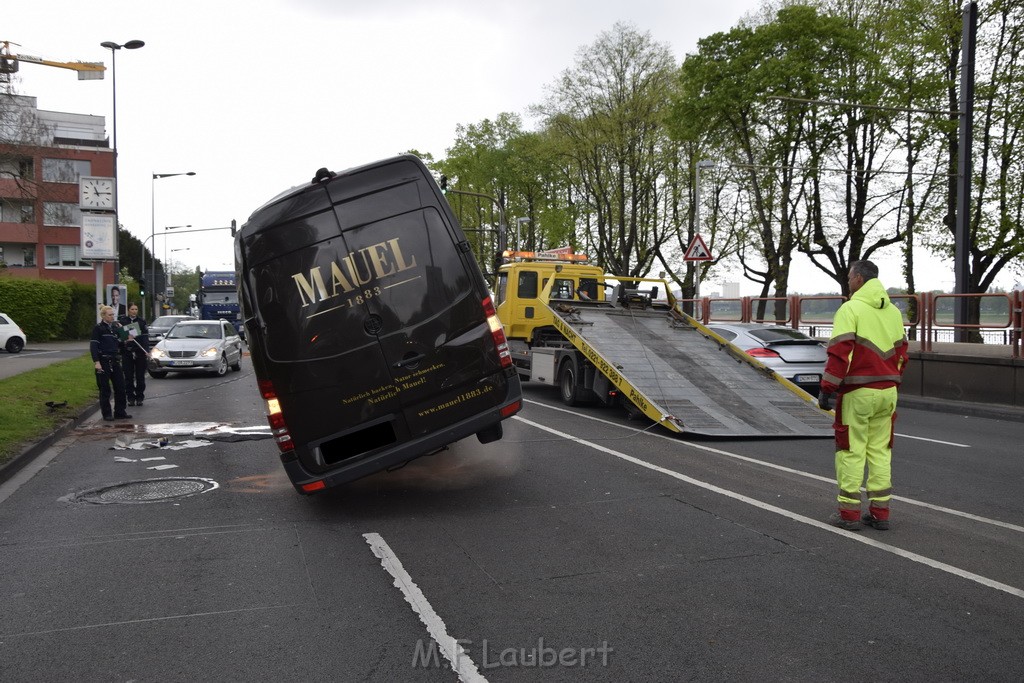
pixel 444 184
pixel 142 287
pixel 234 227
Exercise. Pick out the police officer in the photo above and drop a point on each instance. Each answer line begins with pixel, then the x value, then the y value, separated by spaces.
pixel 105 349
pixel 134 355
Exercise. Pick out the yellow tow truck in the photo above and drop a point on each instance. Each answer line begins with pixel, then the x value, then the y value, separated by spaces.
pixel 611 340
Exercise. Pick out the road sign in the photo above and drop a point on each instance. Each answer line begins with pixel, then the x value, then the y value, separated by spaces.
pixel 169 293
pixel 698 251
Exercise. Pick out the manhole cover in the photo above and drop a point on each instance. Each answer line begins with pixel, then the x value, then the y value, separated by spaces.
pixel 146 491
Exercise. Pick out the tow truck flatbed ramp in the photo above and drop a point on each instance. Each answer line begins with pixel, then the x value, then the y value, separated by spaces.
pixel 690 381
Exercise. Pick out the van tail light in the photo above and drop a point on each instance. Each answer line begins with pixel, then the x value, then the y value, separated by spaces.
pixel 760 352
pixel 497 333
pixel 275 417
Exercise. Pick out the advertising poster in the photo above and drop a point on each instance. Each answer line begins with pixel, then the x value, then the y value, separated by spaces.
pixel 97 237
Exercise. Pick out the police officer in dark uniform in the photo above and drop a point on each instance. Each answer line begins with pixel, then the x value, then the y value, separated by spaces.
pixel 105 347
pixel 134 356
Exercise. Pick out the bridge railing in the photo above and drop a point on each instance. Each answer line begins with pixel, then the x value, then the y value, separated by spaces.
pixel 928 317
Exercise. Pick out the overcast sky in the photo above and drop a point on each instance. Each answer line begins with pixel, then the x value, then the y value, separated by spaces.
pixel 256 96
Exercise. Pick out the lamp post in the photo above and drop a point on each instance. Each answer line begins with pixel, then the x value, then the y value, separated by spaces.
pixel 114 47
pixel 522 220
pixel 152 223
pixel 142 260
pixel 703 163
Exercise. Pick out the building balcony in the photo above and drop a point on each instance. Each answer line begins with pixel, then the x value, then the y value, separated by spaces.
pixel 18 233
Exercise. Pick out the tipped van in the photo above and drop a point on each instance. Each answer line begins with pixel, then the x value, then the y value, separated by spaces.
pixel 372 332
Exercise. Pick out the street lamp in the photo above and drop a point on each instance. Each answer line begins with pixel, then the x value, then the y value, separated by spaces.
pixel 703 163
pixel 114 47
pixel 142 260
pixel 152 224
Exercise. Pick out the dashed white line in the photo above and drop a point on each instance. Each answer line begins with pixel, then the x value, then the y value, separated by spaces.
pixel 790 470
pixel 450 648
pixel 923 438
pixel 914 557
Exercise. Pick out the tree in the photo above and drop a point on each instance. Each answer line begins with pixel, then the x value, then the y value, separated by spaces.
pixel 605 117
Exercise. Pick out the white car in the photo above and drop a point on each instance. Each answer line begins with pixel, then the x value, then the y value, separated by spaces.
pixel 12 337
pixel 197 346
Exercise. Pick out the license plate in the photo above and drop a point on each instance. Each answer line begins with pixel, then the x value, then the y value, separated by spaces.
pixel 806 379
pixel 182 363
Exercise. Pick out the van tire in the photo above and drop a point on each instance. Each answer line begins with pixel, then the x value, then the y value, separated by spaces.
pixel 568 382
pixel 492 433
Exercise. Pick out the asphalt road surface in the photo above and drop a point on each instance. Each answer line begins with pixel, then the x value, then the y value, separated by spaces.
pixel 35 356
pixel 580 547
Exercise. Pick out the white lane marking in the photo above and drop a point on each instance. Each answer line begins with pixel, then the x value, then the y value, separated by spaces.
pixel 450 648
pixel 783 468
pixel 944 443
pixel 860 538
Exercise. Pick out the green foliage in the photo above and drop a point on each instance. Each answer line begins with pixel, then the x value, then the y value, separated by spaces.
pixel 25 417
pixel 81 315
pixel 38 306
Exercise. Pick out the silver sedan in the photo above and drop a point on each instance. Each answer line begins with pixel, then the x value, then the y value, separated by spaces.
pixel 197 346
pixel 791 353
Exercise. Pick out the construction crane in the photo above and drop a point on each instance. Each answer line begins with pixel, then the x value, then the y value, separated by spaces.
pixel 87 71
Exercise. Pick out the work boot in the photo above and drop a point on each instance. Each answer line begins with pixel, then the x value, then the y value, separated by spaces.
pixel 131 401
pixel 108 418
pixel 849 524
pixel 124 416
pixel 874 522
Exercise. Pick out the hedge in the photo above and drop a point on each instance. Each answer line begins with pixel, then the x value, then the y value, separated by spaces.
pixel 81 317
pixel 40 307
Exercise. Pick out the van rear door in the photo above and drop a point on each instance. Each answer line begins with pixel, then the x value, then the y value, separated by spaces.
pixel 373 328
pixel 424 294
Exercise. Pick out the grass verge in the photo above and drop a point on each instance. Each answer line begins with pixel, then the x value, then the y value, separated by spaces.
pixel 25 418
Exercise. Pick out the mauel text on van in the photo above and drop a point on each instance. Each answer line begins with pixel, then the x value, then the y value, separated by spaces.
pixel 355 270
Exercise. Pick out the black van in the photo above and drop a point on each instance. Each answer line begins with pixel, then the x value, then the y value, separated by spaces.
pixel 373 334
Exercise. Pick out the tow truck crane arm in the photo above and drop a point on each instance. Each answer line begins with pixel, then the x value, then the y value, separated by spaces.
pixel 87 71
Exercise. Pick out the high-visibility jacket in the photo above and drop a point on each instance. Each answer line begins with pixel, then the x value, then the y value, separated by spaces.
pixel 868 347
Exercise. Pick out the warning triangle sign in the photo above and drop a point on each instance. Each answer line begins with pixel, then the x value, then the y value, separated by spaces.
pixel 697 251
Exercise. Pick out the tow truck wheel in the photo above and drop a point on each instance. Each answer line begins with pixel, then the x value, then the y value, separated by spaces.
pixel 568 382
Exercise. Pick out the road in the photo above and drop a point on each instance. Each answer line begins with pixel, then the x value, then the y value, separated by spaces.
pixel 581 546
pixel 35 356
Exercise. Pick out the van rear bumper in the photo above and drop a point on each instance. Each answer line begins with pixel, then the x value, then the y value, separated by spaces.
pixel 362 467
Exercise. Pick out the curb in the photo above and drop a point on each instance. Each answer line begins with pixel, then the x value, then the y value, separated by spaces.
pixel 31 452
pixel 992 411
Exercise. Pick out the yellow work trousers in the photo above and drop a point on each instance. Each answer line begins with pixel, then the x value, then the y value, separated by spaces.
pixel 864 433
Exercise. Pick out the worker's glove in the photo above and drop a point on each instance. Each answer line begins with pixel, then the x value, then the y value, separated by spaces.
pixel 826 399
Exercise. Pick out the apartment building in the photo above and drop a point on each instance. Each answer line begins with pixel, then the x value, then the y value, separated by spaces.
pixel 42 156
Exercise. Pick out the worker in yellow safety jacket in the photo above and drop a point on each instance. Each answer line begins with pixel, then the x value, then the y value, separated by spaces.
pixel 867 355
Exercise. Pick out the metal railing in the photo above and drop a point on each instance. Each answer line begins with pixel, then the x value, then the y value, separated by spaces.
pixel 928 317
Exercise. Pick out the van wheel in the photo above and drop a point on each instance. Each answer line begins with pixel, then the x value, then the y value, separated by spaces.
pixel 157 374
pixel 568 382
pixel 492 433
pixel 222 368
pixel 15 344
